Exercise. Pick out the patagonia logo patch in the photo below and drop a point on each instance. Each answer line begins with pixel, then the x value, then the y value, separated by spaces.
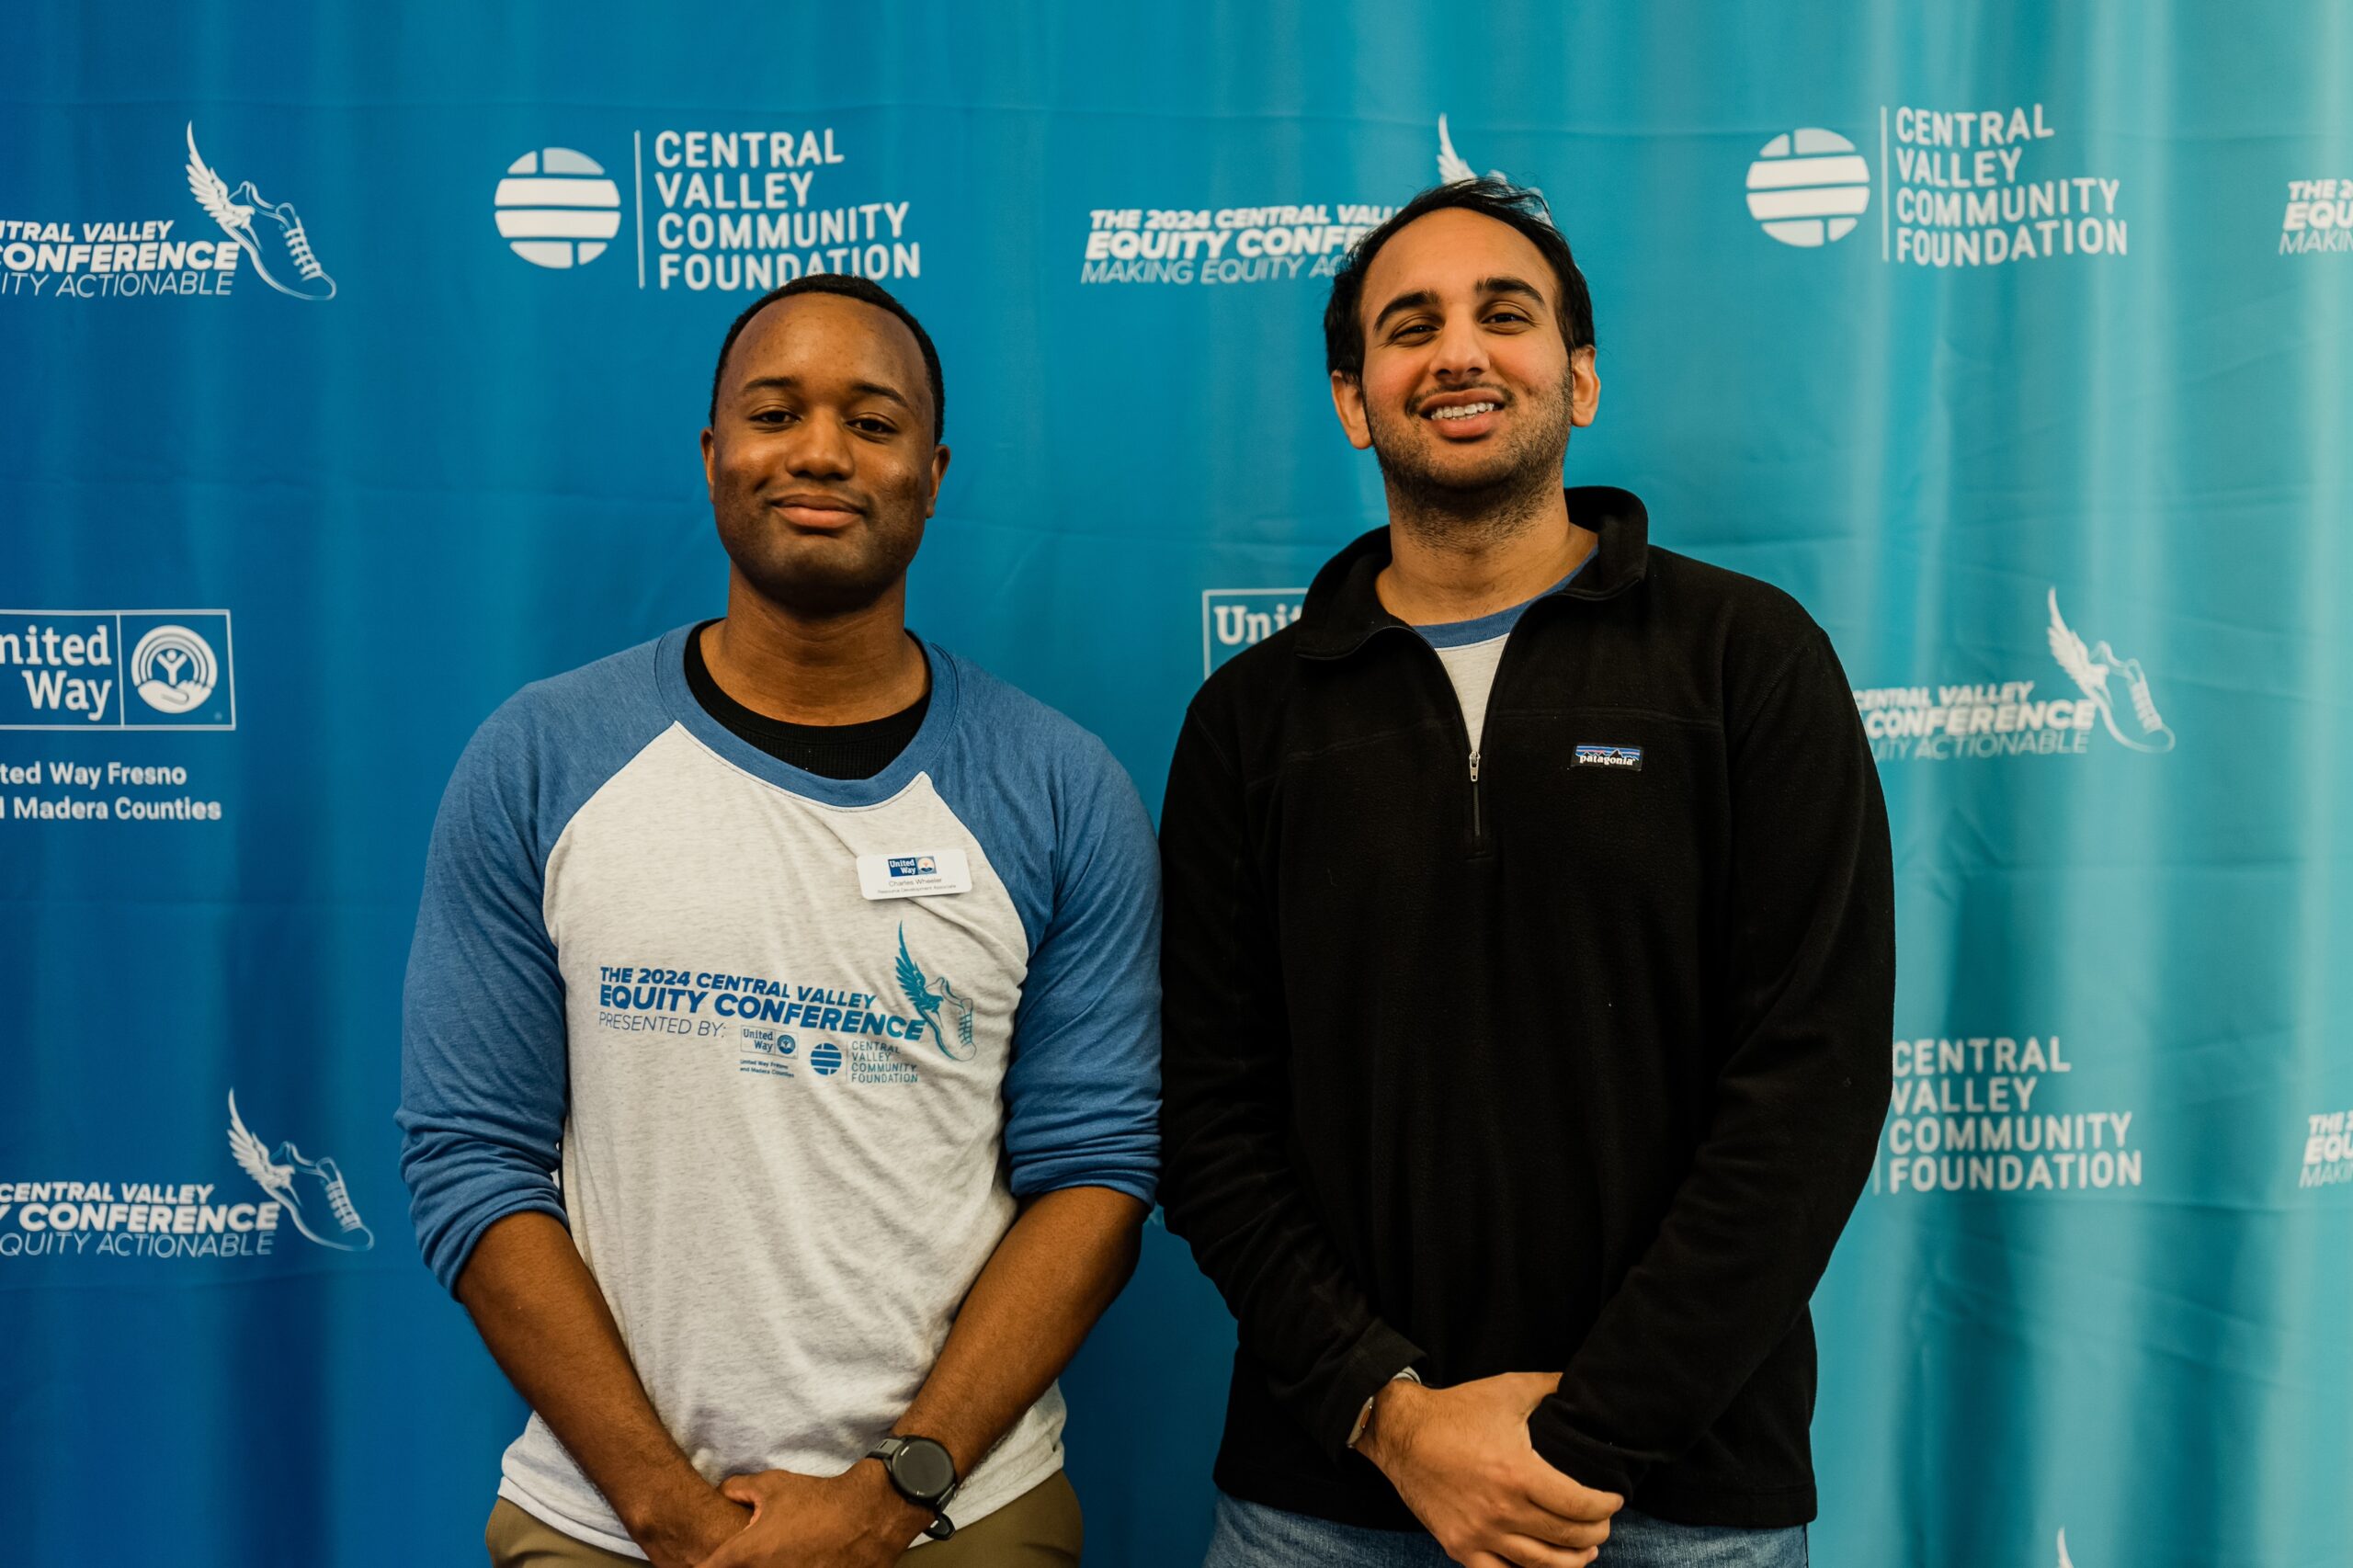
pixel 1629 759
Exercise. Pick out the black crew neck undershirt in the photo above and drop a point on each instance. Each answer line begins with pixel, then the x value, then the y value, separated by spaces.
pixel 829 751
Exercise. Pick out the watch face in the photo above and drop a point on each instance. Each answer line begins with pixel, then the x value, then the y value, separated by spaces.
pixel 922 1469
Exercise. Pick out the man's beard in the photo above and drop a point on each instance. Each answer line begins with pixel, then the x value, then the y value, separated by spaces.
pixel 1497 500
pixel 830 580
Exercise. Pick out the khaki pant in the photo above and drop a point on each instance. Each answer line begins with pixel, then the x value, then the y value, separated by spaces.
pixel 1041 1529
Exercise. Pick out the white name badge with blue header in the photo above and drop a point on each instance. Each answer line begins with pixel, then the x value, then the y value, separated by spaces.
pixel 920 874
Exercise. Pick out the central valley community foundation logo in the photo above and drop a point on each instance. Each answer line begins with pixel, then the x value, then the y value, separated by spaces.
pixel 2107 692
pixel 1953 187
pixel 556 208
pixel 1809 187
pixel 730 209
pixel 1994 1113
pixel 107 1217
pixel 119 258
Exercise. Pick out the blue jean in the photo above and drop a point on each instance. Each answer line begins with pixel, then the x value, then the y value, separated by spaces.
pixel 1251 1535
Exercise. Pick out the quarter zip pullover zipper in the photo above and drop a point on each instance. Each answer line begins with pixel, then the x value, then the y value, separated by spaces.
pixel 1479 845
pixel 1478 821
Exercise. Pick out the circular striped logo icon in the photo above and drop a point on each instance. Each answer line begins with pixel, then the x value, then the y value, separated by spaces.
pixel 1809 187
pixel 555 208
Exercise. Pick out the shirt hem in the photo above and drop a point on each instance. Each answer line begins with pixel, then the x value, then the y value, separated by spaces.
pixel 1332 1502
pixel 1001 1494
pixel 967 1508
pixel 1783 1509
pixel 559 1521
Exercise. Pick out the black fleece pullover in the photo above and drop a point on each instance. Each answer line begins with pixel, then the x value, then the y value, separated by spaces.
pixel 1569 1056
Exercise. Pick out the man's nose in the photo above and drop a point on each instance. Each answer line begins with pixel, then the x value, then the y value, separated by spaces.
pixel 1460 353
pixel 820 450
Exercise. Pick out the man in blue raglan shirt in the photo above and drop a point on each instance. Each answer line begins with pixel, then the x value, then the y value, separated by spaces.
pixel 780 1061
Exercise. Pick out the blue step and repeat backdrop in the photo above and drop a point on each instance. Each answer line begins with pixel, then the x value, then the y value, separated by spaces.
pixel 353 361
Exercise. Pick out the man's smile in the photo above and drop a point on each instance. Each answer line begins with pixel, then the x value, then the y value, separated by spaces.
pixel 1463 415
pixel 809 509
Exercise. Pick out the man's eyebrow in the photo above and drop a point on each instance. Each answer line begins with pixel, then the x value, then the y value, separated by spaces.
pixel 1500 284
pixel 792 383
pixel 1506 284
pixel 1403 302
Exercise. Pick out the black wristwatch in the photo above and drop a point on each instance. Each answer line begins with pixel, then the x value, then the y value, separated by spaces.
pixel 924 1475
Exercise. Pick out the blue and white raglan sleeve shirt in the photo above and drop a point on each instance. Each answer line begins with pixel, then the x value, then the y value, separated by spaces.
pixel 781 1050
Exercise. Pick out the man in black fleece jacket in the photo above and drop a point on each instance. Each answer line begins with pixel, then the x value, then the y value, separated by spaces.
pixel 1530 973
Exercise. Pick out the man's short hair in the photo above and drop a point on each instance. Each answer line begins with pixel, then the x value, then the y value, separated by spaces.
pixel 849 288
pixel 1523 209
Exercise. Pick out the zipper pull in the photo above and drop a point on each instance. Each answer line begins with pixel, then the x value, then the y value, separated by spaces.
pixel 1474 768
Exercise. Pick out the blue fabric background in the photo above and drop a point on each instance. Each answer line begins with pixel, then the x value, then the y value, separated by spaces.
pixel 467 470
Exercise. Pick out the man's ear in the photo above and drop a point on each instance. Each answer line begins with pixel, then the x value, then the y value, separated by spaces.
pixel 1584 387
pixel 939 456
pixel 709 479
pixel 1348 402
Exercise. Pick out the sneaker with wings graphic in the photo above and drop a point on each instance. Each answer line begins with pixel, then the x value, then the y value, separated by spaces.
pixel 320 1207
pixel 279 249
pixel 2090 666
pixel 936 1000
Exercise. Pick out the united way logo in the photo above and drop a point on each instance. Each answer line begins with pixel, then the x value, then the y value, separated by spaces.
pixel 949 1015
pixel 172 669
pixel 556 208
pixel 312 1193
pixel 270 234
pixel 773 1052
pixel 912 865
pixel 116 670
pixel 1235 618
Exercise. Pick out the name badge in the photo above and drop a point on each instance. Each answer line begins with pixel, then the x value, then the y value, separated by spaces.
pixel 923 875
